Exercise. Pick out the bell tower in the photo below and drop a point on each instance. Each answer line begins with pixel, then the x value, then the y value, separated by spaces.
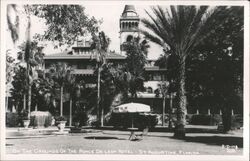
pixel 129 26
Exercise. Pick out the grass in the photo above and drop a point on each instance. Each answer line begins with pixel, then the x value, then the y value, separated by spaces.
pixel 116 142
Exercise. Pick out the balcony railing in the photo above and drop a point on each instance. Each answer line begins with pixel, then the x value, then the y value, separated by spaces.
pixel 83 71
pixel 79 71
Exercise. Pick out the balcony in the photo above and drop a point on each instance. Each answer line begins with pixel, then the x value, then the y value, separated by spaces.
pixel 80 71
pixel 83 72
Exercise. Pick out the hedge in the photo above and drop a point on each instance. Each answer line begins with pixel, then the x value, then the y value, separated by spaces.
pixel 205 119
pixel 12 119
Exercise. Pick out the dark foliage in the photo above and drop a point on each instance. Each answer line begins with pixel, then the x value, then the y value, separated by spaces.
pixel 139 121
pixel 12 119
pixel 65 23
pixel 205 120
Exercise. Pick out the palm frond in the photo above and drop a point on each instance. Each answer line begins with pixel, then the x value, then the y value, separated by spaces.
pixel 180 27
pixel 152 38
pixel 13 26
pixel 158 37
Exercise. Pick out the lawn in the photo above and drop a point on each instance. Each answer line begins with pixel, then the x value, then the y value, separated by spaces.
pixel 116 142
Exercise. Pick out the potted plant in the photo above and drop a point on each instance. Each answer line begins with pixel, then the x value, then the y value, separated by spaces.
pixel 61 122
pixel 25 118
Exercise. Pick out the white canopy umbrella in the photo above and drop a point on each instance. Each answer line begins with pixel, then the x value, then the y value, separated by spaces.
pixel 132 108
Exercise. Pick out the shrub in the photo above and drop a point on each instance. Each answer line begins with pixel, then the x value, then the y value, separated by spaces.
pixel 189 118
pixel 236 121
pixel 173 118
pixel 216 119
pixel 140 121
pixel 92 120
pixel 12 119
pixel 81 117
pixel 205 119
pixel 60 118
pixel 24 115
pixel 199 120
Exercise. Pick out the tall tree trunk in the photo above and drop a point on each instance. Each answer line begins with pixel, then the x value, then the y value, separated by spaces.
pixel 70 112
pixel 182 101
pixel 27 59
pixel 7 104
pixel 61 102
pixel 163 110
pixel 28 84
pixel 29 101
pixel 102 112
pixel 170 112
pixel 24 102
pixel 226 119
pixel 98 95
pixel 17 107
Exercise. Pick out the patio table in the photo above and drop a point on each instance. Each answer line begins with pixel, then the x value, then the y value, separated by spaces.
pixel 132 133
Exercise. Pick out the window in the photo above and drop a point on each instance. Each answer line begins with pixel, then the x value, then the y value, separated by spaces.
pixel 76 51
pixel 157 77
pixel 149 90
pixel 90 67
pixel 129 38
pixel 131 14
pixel 150 77
pixel 81 66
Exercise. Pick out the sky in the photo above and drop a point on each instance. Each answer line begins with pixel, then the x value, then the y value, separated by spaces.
pixel 110 15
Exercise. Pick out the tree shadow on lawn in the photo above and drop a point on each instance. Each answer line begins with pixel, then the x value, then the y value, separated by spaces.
pixel 164 129
pixel 188 130
pixel 210 140
pixel 215 140
pixel 103 138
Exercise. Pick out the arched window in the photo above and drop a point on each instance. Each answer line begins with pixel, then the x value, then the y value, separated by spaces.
pixel 129 38
pixel 136 24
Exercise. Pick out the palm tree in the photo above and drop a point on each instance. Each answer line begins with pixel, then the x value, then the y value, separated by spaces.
pixel 32 56
pixel 14 29
pixel 179 29
pixel 164 90
pixel 61 73
pixel 74 89
pixel 101 43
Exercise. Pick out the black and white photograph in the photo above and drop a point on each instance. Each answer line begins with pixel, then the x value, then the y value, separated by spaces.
pixel 124 80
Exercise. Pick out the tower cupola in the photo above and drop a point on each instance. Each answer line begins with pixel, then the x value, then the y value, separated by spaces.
pixel 129 25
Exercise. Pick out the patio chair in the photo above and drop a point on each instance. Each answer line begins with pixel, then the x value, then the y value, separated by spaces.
pixel 144 133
